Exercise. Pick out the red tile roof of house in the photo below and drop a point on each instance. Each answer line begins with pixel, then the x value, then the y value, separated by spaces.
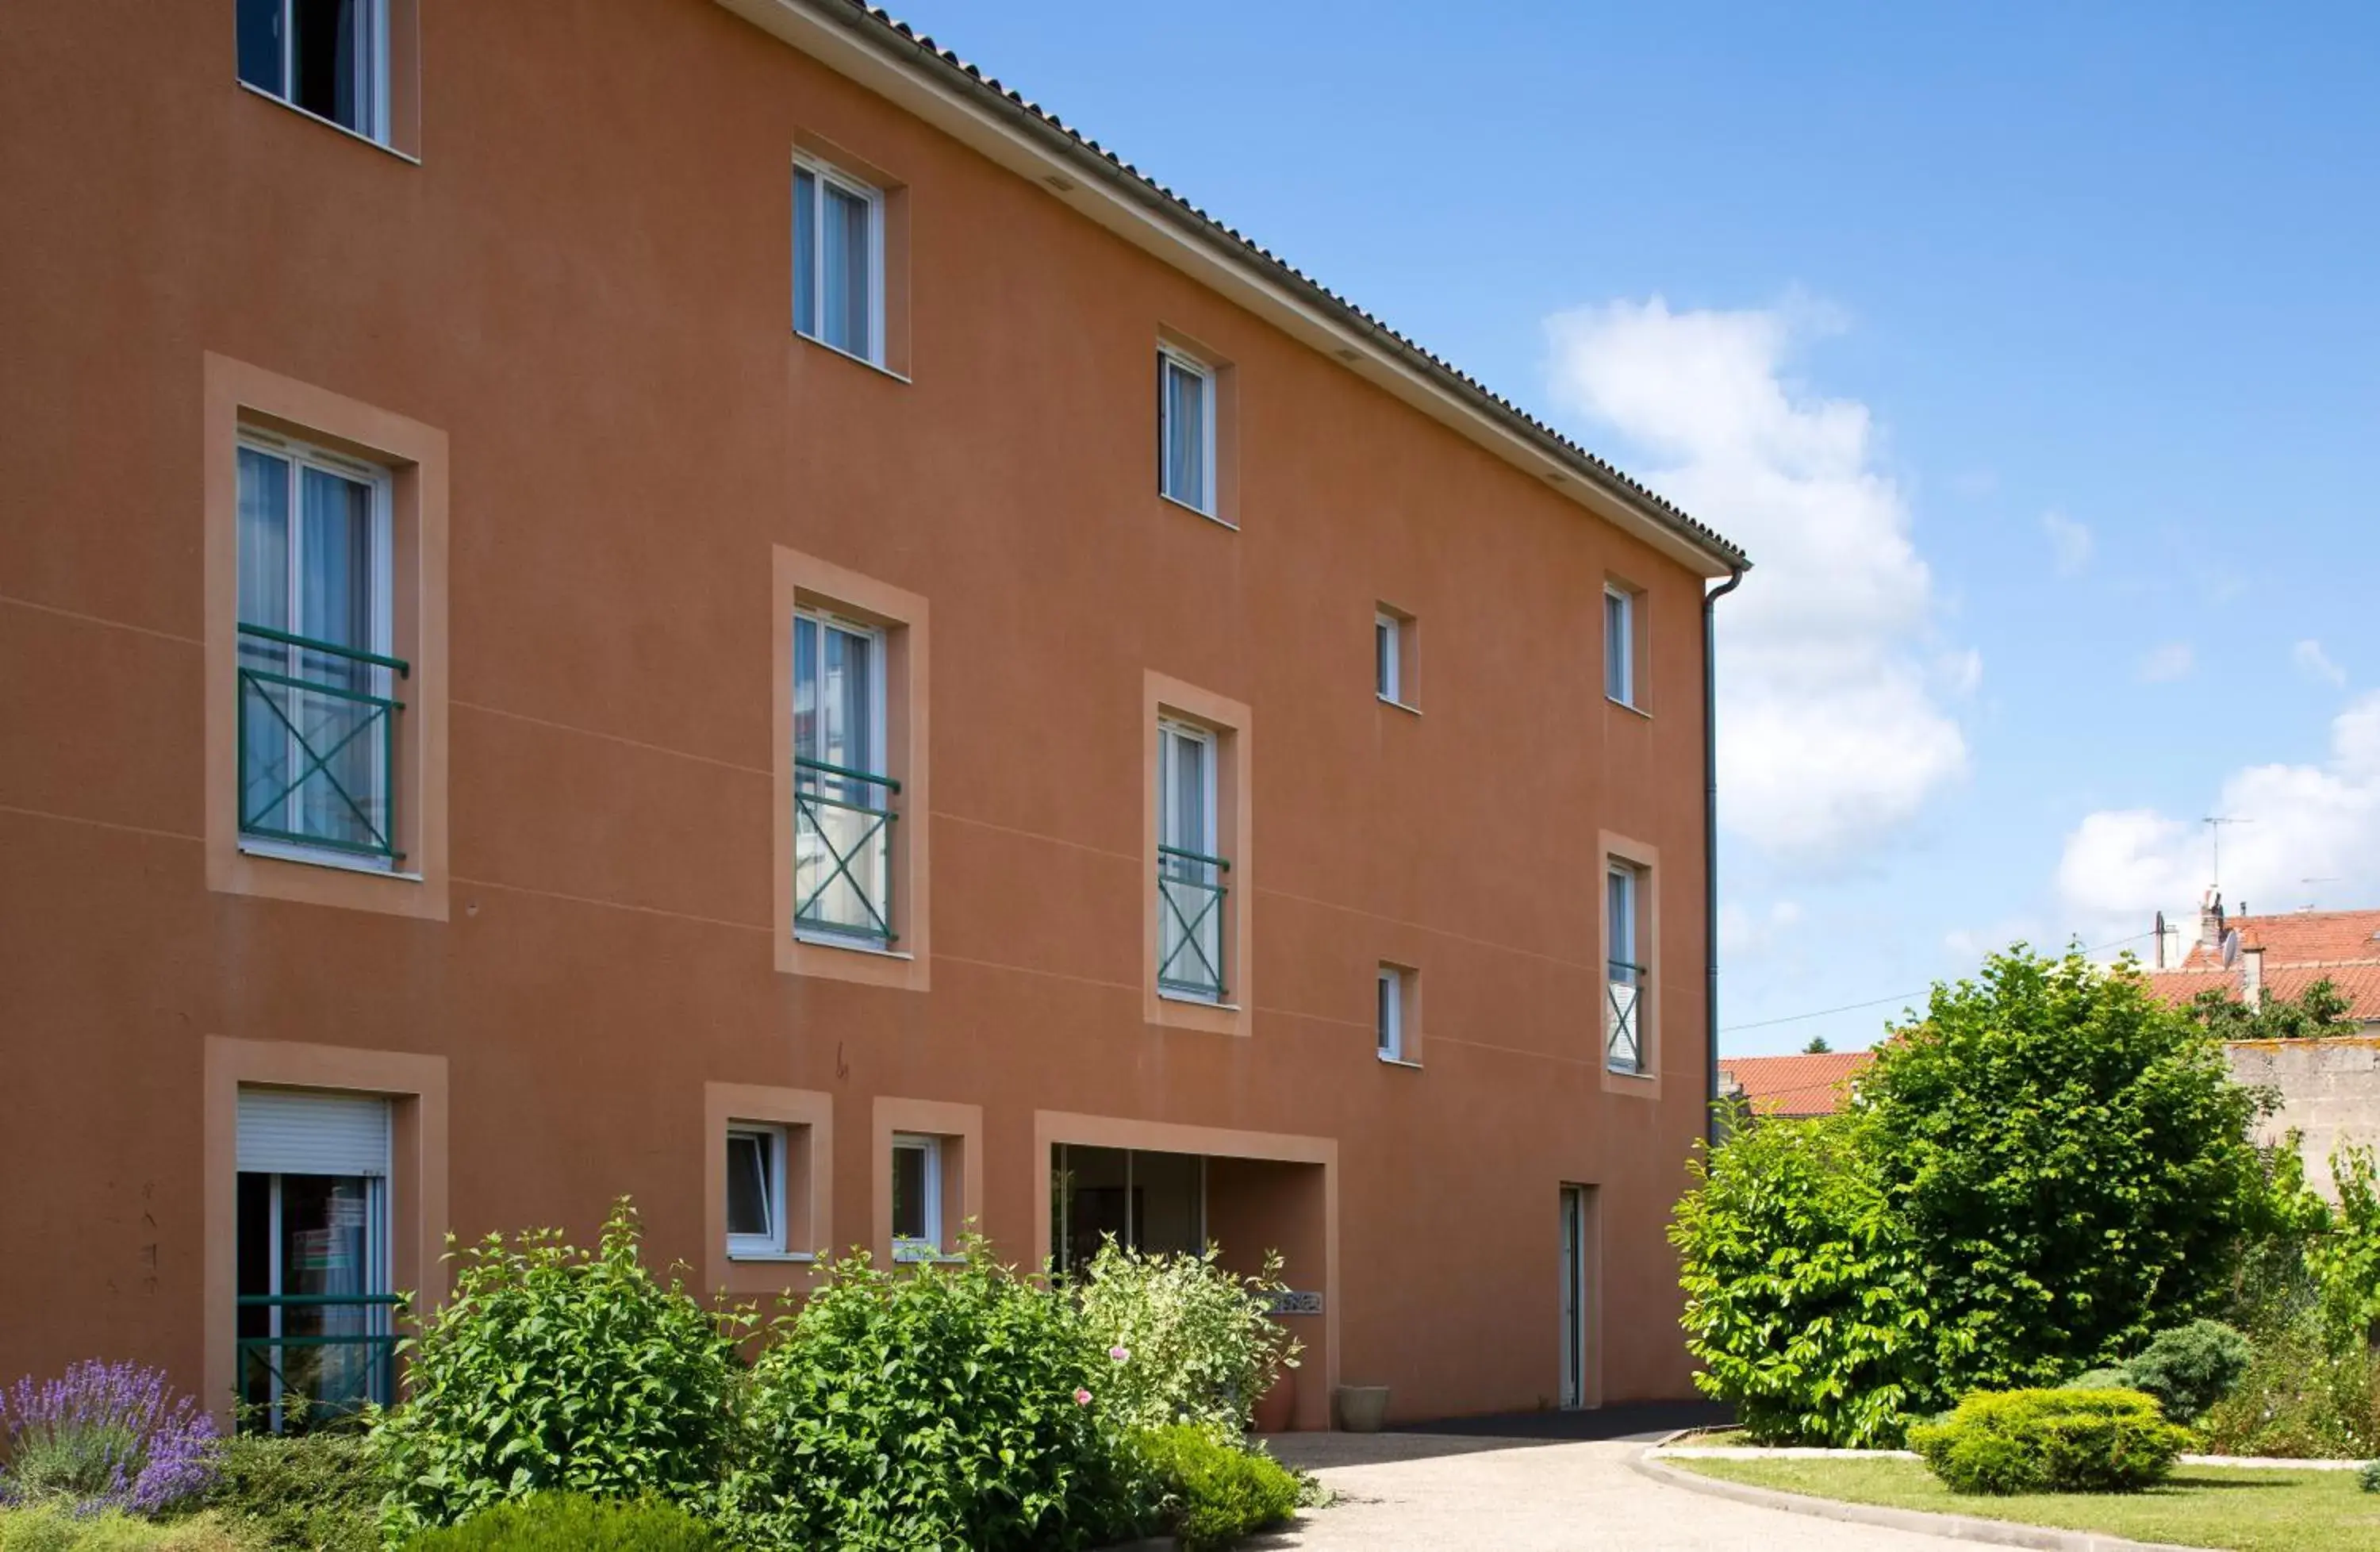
pixel 2359 983
pixel 1800 1086
pixel 2341 947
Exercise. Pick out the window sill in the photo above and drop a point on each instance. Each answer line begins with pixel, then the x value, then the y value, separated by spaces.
pixel 795 1257
pixel 1409 1065
pixel 278 101
pixel 1636 1073
pixel 1630 705
pixel 1200 511
pixel 877 367
pixel 1404 705
pixel 927 1258
pixel 1183 996
pixel 828 940
pixel 274 851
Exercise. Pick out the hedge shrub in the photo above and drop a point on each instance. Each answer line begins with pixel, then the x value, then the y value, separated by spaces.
pixel 2051 1441
pixel 57 1527
pixel 318 1492
pixel 1214 1493
pixel 572 1523
pixel 554 1368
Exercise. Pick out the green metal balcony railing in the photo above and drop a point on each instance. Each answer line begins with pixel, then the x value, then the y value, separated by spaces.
pixel 843 851
pixel 1190 896
pixel 317 744
pixel 340 1355
pixel 1623 1048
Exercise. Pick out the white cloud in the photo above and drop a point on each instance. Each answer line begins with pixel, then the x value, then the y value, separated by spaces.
pixel 2314 663
pixel 1745 934
pixel 1830 730
pixel 2163 665
pixel 2304 821
pixel 2069 543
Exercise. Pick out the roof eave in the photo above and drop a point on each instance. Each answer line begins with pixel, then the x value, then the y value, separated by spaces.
pixel 881 55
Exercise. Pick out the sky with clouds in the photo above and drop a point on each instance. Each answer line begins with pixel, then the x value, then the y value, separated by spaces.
pixel 2031 351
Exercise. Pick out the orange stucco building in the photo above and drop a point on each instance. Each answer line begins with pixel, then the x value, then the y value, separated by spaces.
pixel 688 599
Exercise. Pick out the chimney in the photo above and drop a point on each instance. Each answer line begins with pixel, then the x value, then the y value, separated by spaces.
pixel 2251 977
pixel 2210 920
pixel 2160 938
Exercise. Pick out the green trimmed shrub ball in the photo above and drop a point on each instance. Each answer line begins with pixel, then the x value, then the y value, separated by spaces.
pixel 1216 1493
pixel 2051 1441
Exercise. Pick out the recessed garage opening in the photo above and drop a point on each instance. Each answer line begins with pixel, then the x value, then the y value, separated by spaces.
pixel 1150 1201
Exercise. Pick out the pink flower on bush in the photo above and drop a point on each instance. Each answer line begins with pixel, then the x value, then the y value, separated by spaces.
pixel 1082 1397
pixel 1121 1353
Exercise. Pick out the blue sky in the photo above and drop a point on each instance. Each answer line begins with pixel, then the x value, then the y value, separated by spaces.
pixel 2033 352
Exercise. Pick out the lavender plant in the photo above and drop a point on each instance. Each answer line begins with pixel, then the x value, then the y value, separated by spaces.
pixel 106 1436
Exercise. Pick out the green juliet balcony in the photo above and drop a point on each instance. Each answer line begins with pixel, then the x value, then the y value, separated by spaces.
pixel 842 852
pixel 1623 1004
pixel 1190 900
pixel 318 744
pixel 306 1358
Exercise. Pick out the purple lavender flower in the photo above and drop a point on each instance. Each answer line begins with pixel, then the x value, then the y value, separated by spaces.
pixel 107 1436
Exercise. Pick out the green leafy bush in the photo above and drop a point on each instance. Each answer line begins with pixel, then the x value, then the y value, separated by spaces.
pixel 554 1368
pixel 2301 1399
pixel 572 1523
pixel 2368 1478
pixel 2189 1369
pixel 1215 1493
pixel 1186 1341
pixel 1803 1297
pixel 945 1407
pixel 318 1492
pixel 57 1527
pixel 2051 1441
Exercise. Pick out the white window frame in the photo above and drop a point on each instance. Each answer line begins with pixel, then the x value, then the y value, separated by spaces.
pixel 299 454
pixel 1623 944
pixel 825 173
pixel 1169 356
pixel 1619 664
pixel 1388 657
pixel 1389 1028
pixel 929 1247
pixel 773 1152
pixel 371 18
pixel 1172 732
pixel 874 762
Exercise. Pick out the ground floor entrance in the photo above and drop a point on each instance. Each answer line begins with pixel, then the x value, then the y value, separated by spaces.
pixel 1147 1201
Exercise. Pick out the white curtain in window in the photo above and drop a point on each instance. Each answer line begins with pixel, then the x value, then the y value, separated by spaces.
pixel 1182 415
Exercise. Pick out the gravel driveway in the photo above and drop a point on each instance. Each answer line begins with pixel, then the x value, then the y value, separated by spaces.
pixel 1401 1491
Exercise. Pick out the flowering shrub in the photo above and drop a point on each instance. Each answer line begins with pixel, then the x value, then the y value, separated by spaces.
pixel 106 1436
pixel 955 1407
pixel 1186 1341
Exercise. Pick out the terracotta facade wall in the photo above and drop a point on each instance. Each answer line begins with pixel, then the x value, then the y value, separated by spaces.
pixel 583 286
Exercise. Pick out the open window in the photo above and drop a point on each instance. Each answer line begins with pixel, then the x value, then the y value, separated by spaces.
pixel 756 1199
pixel 917 1229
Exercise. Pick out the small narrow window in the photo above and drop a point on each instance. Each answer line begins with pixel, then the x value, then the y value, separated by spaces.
pixel 1185 430
pixel 1625 981
pixel 917 1198
pixel 843 795
pixel 756 1191
pixel 1388 668
pixel 328 58
pixel 1619 645
pixel 1190 886
pixel 318 701
pixel 839 262
pixel 1392 1015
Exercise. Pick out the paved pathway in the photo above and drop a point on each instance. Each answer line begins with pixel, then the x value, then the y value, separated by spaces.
pixel 1401 1491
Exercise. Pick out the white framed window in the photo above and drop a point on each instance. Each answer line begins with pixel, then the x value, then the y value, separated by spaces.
pixel 1391 1019
pixel 1619 645
pixel 1625 976
pixel 838 260
pixel 843 797
pixel 313 1302
pixel 917 1197
pixel 318 689
pixel 1185 429
pixel 756 1190
pixel 1388 653
pixel 1190 876
pixel 326 57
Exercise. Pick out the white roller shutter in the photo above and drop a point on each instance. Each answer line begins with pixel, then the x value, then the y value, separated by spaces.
pixel 294 1131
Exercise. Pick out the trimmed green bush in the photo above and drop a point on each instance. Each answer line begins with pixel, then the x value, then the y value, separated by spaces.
pixel 55 1527
pixel 572 1523
pixel 928 1407
pixel 2368 1478
pixel 554 1368
pixel 2189 1369
pixel 317 1492
pixel 1215 1493
pixel 2051 1441
pixel 1186 1341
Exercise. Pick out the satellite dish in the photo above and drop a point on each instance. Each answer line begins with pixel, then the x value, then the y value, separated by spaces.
pixel 2231 948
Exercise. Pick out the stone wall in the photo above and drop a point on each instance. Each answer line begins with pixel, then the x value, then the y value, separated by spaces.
pixel 2330 1090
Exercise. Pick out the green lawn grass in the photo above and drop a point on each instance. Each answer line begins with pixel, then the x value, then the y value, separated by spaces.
pixel 2203 1506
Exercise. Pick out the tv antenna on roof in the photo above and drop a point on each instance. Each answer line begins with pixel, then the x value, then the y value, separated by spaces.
pixel 2214 823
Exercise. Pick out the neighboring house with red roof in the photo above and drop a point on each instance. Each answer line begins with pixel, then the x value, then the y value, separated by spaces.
pixel 1793 1087
pixel 2275 956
